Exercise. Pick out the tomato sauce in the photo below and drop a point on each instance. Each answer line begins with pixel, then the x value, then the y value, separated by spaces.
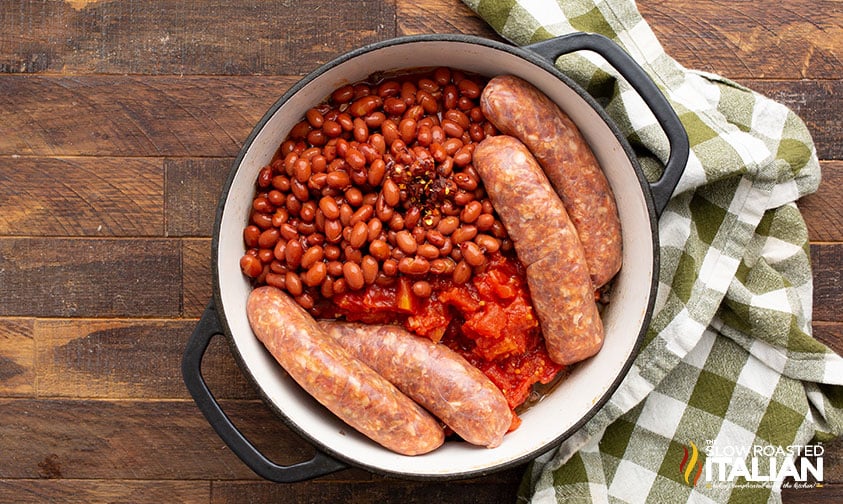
pixel 488 320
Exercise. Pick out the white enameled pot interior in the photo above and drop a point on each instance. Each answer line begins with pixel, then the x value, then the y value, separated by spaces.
pixel 560 411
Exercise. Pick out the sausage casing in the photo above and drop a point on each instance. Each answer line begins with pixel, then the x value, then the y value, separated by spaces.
pixel 546 242
pixel 433 375
pixel 519 109
pixel 347 387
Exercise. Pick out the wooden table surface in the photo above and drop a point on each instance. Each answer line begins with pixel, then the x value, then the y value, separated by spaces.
pixel 120 119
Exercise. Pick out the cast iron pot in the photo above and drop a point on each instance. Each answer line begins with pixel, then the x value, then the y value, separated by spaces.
pixel 590 384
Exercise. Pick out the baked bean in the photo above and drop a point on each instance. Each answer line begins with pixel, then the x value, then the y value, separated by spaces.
pixel 390 267
pixel 338 179
pixel 335 268
pixel 390 132
pixel 301 193
pixel 265 255
pixel 276 280
pixel 396 222
pixel 488 243
pixel 293 284
pixel 358 234
pixel 485 221
pixel 472 254
pixel 327 288
pixel 391 192
pixel 352 254
pixel 379 249
pixel 378 142
pixel 461 273
pixel 374 229
pixel 312 256
pixel 268 238
pixel 280 250
pixel 464 233
pixel 389 88
pixel 428 251
pixel 462 157
pixel 451 128
pixel 346 121
pixel 447 247
pixel 377 170
pixel 422 289
pixel 394 106
pixel 332 252
pixel 375 119
pixel 448 225
pixel 250 236
pixel 315 274
pixel 383 210
pixel 355 159
pixel 343 95
pixel 364 213
pixel 413 265
pixel 365 105
pixel 353 274
pixel 308 211
pixel 250 265
pixel 305 300
pixel 369 267
pixel 339 286
pixel 407 130
pixel 361 130
pixel 427 102
pixel 411 218
pixel 294 253
pixel 370 198
pixel 405 241
pixel 329 207
pixel 333 230
pixel 471 212
pixel 450 96
pixel 354 196
pixel 281 182
pixel 314 117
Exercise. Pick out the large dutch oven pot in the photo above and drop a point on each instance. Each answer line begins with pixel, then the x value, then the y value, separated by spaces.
pixel 590 383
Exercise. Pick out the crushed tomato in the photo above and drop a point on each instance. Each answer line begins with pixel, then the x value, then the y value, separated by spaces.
pixel 489 320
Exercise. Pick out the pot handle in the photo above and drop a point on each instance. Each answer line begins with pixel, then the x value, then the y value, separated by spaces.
pixel 191 367
pixel 621 61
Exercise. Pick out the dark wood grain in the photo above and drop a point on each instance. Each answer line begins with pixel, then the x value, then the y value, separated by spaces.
pixel 788 39
pixel 127 359
pixel 137 440
pixel 192 191
pixel 17 357
pixel 826 260
pixel 82 196
pixel 119 122
pixel 79 277
pixel 131 116
pixel 173 37
pixel 38 491
pixel 823 210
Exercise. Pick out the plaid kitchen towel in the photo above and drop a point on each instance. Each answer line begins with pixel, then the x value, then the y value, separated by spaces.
pixel 730 386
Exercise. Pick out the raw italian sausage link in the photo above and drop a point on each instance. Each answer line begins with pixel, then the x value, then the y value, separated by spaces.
pixel 434 376
pixel 347 387
pixel 519 109
pixel 547 244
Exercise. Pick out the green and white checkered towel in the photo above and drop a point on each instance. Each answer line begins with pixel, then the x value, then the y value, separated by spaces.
pixel 729 375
